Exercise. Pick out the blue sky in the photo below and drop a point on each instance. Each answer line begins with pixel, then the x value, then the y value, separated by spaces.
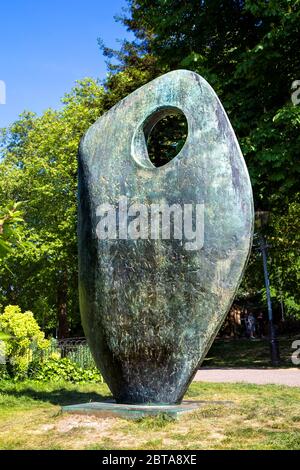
pixel 45 45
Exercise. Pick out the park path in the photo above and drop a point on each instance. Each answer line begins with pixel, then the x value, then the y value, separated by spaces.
pixel 290 377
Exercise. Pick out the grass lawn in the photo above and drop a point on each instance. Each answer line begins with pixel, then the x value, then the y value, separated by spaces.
pixel 259 417
pixel 248 353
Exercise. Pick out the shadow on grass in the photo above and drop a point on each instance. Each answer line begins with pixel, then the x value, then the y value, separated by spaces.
pixel 60 396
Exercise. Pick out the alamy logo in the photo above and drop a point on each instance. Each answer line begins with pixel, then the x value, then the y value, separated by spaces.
pixel 295 96
pixel 155 221
pixel 296 354
pixel 2 92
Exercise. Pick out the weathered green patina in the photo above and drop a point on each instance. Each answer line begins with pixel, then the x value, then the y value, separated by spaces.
pixel 112 410
pixel 151 308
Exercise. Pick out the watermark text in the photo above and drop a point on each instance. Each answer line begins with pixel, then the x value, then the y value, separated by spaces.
pixel 295 96
pixel 154 221
pixel 296 354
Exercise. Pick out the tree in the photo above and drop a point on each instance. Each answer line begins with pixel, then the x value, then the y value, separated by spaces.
pixel 10 219
pixel 284 240
pixel 249 52
pixel 39 167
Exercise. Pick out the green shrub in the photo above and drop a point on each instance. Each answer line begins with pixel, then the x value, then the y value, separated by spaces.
pixel 55 369
pixel 23 337
pixel 3 373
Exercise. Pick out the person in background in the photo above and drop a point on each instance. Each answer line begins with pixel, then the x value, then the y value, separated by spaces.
pixel 250 323
pixel 260 325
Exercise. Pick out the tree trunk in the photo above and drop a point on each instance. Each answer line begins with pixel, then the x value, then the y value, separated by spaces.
pixel 62 294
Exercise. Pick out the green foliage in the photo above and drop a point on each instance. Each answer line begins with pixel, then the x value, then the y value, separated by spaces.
pixel 4 375
pixel 249 52
pixel 10 219
pixel 55 369
pixel 39 167
pixel 284 251
pixel 167 139
pixel 24 334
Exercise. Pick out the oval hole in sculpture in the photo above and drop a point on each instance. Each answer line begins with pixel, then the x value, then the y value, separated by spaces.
pixel 165 133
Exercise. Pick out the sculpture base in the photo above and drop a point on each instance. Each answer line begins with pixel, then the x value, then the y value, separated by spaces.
pixel 117 410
